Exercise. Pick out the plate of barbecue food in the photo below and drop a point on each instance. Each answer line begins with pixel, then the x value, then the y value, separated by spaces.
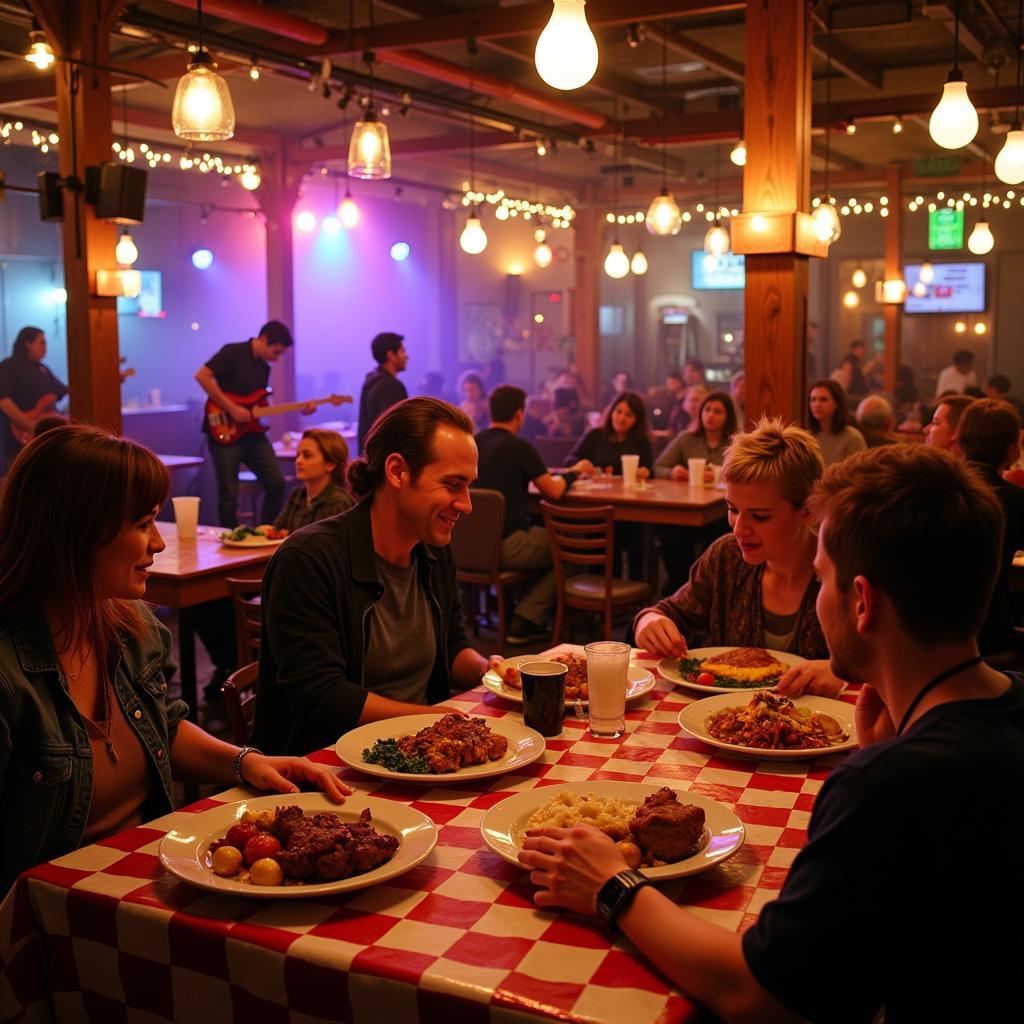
pixel 727 669
pixel 440 748
pixel 505 682
pixel 770 726
pixel 297 845
pixel 666 833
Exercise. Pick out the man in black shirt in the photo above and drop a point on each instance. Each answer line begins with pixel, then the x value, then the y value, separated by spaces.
pixel 24 381
pixel 509 464
pixel 878 913
pixel 238 369
pixel 382 388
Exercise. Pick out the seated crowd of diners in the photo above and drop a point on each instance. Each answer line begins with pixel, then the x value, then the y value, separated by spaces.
pixel 886 567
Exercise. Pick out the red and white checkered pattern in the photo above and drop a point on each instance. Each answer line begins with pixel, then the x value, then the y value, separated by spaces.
pixel 111 937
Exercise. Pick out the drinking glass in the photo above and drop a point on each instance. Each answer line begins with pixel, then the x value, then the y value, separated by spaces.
pixel 607 677
pixel 544 695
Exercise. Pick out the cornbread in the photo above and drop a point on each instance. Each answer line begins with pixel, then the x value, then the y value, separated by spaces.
pixel 746 664
pixel 566 809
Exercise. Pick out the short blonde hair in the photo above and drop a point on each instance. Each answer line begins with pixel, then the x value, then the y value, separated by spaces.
pixel 785 456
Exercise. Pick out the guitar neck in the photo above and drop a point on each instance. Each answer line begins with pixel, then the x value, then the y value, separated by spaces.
pixel 275 410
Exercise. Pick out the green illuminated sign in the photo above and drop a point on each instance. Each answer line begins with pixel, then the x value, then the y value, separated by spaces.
pixel 946 229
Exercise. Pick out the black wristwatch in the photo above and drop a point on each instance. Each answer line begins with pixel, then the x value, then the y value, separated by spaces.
pixel 617 893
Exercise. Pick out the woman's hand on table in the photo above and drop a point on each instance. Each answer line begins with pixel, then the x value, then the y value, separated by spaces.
pixel 658 634
pixel 814 677
pixel 569 866
pixel 873 720
pixel 281 774
pixel 584 467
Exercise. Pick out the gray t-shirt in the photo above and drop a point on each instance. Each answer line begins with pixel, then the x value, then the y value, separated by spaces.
pixel 402 645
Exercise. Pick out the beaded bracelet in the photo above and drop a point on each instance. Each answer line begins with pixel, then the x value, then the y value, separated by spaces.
pixel 238 761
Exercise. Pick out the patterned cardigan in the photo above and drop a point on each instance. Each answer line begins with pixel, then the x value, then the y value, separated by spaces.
pixel 720 605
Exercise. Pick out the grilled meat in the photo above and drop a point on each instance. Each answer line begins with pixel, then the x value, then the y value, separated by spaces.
pixel 455 742
pixel 666 830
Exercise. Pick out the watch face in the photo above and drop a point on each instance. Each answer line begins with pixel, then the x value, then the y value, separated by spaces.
pixel 616 894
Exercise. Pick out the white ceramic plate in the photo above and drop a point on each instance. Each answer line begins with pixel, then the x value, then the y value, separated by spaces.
pixel 694 716
pixel 184 851
pixel 669 668
pixel 504 825
pixel 524 747
pixel 640 680
pixel 249 542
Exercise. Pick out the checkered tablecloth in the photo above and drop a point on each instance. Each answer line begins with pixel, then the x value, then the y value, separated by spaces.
pixel 105 934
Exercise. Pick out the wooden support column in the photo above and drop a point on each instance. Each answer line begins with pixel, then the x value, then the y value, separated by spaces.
pixel 277 194
pixel 586 297
pixel 893 270
pixel 776 181
pixel 80 31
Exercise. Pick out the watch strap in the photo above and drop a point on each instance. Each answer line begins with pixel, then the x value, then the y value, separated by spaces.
pixel 618 892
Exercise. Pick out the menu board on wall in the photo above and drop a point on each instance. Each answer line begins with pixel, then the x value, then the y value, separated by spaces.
pixel 954 288
pixel 717 272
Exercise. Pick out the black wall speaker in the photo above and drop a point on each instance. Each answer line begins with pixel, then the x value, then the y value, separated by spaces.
pixel 51 198
pixel 122 195
pixel 513 295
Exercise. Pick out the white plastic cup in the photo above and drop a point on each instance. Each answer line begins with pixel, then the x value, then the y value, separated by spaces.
pixel 186 516
pixel 695 467
pixel 607 678
pixel 716 474
pixel 630 465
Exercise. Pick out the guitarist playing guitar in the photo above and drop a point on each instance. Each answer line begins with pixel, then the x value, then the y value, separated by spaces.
pixel 242 368
pixel 28 391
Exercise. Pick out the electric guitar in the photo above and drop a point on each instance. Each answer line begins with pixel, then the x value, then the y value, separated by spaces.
pixel 224 430
pixel 42 408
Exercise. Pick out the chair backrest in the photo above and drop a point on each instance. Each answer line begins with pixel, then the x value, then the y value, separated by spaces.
pixel 245 599
pixel 476 539
pixel 580 536
pixel 553 450
pixel 240 701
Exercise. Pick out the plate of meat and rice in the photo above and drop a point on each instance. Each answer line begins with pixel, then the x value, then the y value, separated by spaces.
pixel 727 669
pixel 405 837
pixel 440 748
pixel 677 833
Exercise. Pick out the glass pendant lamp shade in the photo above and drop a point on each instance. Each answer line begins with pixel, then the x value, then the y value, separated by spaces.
pixel 981 240
pixel 927 273
pixel 859 278
pixel 739 154
pixel 825 221
pixel 203 111
pixel 126 252
pixel 566 53
pixel 542 255
pixel 716 241
pixel 851 300
pixel 954 121
pixel 663 216
pixel 348 212
pixel 616 263
pixel 638 264
pixel 369 152
pixel 40 53
pixel 473 239
pixel 1009 165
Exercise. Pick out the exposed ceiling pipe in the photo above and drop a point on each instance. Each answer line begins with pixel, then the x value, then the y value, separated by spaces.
pixel 310 33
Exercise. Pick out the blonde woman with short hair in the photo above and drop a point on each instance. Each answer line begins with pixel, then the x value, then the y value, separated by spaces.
pixel 755 587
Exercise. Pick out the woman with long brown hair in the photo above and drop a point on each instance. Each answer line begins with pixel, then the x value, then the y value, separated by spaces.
pixel 89 738
pixel 320 461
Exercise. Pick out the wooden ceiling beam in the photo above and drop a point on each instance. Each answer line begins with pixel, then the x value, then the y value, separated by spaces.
pixel 680 44
pixel 846 61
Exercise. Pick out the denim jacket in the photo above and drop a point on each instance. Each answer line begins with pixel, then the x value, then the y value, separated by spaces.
pixel 45 754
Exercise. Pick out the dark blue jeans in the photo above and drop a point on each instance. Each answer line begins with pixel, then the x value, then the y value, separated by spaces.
pixel 256 452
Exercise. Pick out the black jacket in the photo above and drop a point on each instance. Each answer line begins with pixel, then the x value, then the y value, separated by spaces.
pixel 381 390
pixel 996 634
pixel 317 595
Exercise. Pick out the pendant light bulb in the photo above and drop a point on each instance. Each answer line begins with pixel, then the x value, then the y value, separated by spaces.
pixel 716 241
pixel 739 154
pixel 859 278
pixel 40 53
pixel 920 290
pixel 825 221
pixel 851 300
pixel 954 121
pixel 543 255
pixel 203 111
pixel 369 152
pixel 981 240
pixel 473 239
pixel 250 179
pixel 616 263
pixel 126 252
pixel 663 216
pixel 348 212
pixel 566 53
pixel 1009 165
pixel 927 273
pixel 638 264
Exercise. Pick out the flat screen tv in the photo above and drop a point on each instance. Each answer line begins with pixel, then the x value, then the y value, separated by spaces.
pixel 954 288
pixel 716 272
pixel 150 300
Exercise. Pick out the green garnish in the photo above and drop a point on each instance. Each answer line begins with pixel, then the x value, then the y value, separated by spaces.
pixel 387 755
pixel 240 533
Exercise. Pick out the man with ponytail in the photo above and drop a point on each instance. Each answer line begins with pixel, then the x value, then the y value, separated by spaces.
pixel 361 614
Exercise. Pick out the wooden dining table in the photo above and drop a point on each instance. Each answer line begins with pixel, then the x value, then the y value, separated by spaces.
pixel 187 573
pixel 106 933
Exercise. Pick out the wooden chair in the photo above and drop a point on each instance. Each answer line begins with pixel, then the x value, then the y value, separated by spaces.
pixel 247 602
pixel 585 537
pixel 476 545
pixel 240 701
